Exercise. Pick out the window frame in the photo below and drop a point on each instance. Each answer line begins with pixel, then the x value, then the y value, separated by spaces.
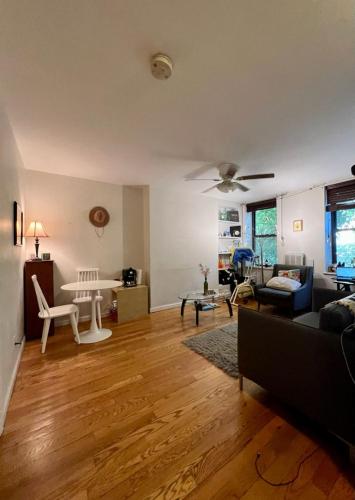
pixel 334 229
pixel 253 228
pixel 340 196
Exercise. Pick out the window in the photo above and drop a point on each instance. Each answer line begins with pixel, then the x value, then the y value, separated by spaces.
pixel 341 205
pixel 343 236
pixel 264 220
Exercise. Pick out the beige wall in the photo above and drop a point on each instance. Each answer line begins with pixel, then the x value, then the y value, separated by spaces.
pixel 63 204
pixel 183 234
pixel 11 265
pixel 135 231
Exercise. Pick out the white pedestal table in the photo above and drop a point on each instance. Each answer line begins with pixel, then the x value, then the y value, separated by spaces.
pixel 94 334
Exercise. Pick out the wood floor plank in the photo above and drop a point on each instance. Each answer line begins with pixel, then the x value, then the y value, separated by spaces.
pixel 142 416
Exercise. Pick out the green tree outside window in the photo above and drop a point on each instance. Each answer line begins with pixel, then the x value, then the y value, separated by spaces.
pixel 265 234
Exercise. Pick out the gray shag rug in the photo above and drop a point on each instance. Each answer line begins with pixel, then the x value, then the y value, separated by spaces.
pixel 220 346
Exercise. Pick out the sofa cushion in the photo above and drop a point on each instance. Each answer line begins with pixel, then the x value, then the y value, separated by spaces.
pixel 309 319
pixel 304 271
pixel 273 292
pixel 293 274
pixel 282 283
pixel 334 318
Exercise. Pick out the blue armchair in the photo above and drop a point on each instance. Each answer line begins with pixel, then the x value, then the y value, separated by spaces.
pixel 298 300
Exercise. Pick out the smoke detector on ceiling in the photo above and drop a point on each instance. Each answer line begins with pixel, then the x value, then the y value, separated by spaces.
pixel 161 66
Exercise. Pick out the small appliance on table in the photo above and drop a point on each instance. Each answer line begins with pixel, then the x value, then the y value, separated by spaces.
pixel 94 334
pixel 201 300
pixel 129 277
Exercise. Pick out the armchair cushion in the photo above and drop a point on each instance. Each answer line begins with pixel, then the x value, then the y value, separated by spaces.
pixel 273 296
pixel 293 274
pixel 306 272
pixel 283 283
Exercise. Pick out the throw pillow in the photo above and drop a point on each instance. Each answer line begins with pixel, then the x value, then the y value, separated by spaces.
pixel 348 302
pixel 281 283
pixel 293 274
pixel 334 317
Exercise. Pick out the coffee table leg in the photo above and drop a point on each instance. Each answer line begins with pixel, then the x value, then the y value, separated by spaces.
pixel 183 306
pixel 197 307
pixel 229 307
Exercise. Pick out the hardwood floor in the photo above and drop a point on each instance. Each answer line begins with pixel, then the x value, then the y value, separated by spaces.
pixel 141 416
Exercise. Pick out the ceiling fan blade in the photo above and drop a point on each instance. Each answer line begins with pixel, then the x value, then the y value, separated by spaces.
pixel 257 176
pixel 215 180
pixel 237 185
pixel 202 170
pixel 210 189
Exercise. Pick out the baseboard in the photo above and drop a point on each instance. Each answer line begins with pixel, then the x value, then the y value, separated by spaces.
pixel 165 306
pixel 65 321
pixel 3 411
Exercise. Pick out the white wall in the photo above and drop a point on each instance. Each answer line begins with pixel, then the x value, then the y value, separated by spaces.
pixel 63 205
pixel 308 206
pixel 183 234
pixel 11 265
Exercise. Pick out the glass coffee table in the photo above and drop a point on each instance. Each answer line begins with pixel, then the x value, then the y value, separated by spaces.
pixel 199 300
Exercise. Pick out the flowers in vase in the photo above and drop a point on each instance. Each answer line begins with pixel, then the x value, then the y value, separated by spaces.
pixel 204 270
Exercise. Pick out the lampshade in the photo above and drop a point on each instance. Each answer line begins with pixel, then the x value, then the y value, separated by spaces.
pixel 36 230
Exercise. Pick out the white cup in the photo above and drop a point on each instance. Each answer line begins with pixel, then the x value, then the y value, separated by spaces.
pixel 139 276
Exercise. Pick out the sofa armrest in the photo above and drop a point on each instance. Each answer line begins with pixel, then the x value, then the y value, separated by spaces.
pixel 302 297
pixel 322 297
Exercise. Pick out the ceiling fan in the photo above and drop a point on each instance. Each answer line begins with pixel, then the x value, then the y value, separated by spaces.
pixel 227 182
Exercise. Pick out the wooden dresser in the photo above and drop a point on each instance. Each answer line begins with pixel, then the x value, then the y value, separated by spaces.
pixel 44 271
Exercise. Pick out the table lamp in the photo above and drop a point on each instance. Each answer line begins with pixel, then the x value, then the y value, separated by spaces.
pixel 36 230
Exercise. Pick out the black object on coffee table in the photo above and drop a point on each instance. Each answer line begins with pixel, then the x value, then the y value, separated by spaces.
pixel 199 300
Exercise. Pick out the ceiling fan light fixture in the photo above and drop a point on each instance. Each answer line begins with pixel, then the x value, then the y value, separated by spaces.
pixel 228 181
pixel 225 187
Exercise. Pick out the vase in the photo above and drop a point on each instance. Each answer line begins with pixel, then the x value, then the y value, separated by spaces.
pixel 205 287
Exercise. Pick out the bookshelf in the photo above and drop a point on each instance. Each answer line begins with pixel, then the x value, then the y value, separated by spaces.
pixel 229 222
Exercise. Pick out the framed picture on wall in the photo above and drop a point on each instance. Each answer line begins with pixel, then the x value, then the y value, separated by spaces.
pixel 298 225
pixel 233 215
pixel 18 225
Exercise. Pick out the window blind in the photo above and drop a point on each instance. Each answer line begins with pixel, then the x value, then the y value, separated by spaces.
pixel 340 196
pixel 261 205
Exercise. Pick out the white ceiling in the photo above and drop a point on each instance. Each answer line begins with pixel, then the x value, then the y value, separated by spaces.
pixel 269 85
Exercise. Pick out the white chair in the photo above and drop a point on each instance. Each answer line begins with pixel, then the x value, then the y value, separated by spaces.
pixel 48 313
pixel 89 274
pixel 245 289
